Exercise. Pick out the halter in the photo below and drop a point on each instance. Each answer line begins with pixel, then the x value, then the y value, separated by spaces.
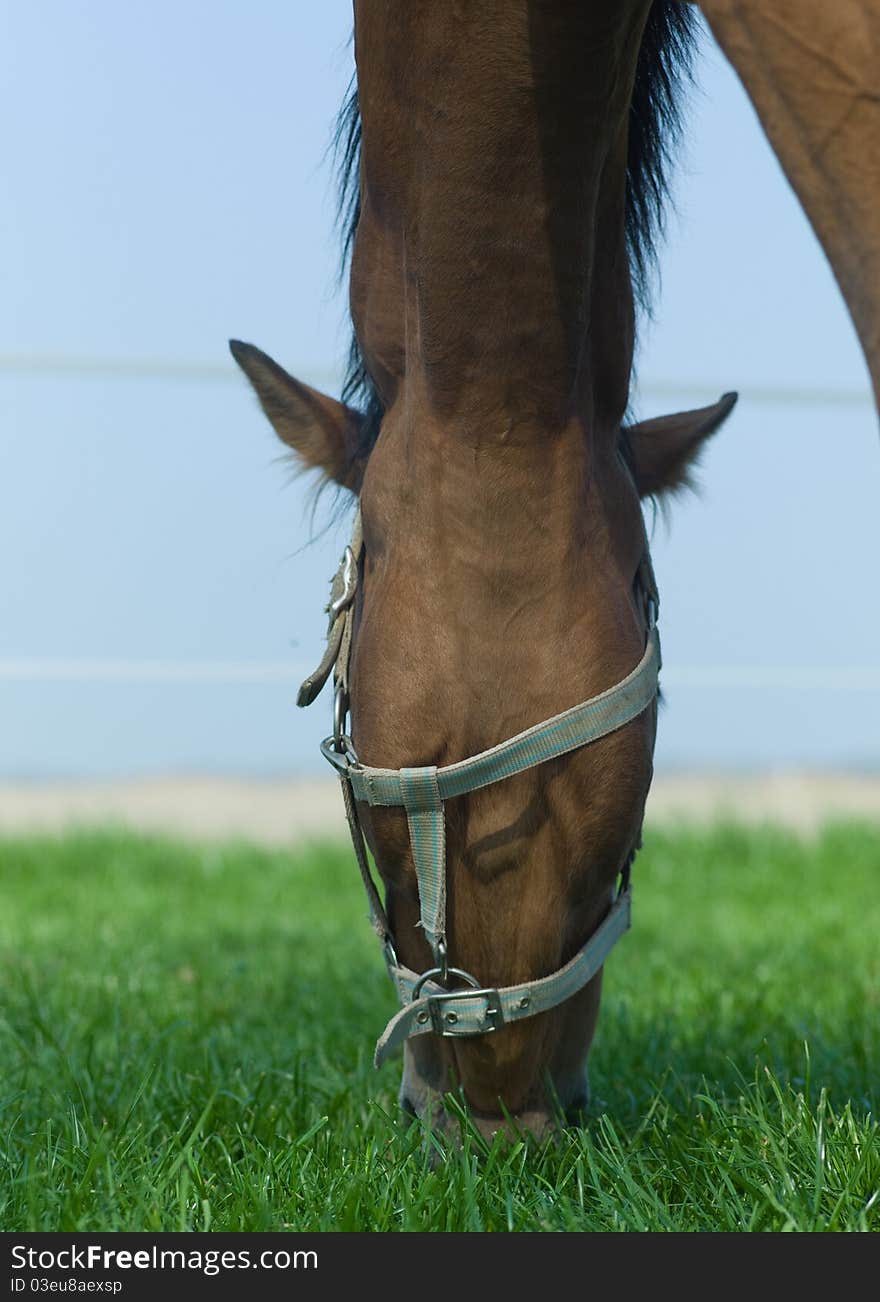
pixel 428 1004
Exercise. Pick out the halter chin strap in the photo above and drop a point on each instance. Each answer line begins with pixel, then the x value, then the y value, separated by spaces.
pixel 475 1010
pixel 428 1004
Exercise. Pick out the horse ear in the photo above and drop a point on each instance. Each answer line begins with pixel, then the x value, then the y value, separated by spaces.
pixel 664 449
pixel 324 433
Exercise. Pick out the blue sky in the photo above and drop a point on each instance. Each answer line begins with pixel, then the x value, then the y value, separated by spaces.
pixel 166 187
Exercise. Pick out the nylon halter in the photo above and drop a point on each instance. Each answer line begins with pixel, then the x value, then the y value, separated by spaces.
pixel 428 1004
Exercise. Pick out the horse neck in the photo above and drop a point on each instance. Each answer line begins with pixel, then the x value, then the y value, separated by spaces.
pixel 490 284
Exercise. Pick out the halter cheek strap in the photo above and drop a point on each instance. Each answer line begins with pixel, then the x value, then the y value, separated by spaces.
pixel 428 1004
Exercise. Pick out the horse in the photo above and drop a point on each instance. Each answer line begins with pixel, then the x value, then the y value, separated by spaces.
pixel 505 171
pixel 810 70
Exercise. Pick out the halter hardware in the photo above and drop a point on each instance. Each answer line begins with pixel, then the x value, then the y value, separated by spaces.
pixel 445 1020
pixel 446 1023
pixel 348 569
pixel 472 1009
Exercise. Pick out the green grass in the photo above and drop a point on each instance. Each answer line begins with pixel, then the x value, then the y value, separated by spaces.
pixel 186 1038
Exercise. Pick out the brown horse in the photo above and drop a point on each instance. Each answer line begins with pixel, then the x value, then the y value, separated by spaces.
pixel 508 159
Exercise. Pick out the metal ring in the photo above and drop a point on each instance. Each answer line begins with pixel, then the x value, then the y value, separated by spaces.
pixel 340 710
pixel 450 971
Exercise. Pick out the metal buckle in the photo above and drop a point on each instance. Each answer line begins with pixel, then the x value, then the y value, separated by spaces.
pixel 348 566
pixel 340 753
pixel 445 1022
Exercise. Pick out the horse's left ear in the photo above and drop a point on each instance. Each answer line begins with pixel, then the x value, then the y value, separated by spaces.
pixel 324 433
pixel 664 449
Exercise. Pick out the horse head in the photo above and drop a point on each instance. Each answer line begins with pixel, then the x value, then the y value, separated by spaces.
pixel 456 647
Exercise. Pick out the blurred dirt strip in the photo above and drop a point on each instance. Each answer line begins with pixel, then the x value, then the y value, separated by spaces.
pixel 289 811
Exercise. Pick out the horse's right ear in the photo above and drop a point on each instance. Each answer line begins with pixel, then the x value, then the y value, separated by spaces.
pixel 664 449
pixel 325 434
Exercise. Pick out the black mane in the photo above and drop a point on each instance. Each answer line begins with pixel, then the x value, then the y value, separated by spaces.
pixel 663 71
pixel 358 389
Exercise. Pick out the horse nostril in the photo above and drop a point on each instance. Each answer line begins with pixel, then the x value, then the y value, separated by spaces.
pixel 408 1106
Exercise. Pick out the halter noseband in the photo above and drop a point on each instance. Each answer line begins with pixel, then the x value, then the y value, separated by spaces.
pixel 428 1005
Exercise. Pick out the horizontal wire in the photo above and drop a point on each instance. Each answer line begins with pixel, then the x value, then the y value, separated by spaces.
pixel 802 678
pixel 158 368
pixel 150 671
